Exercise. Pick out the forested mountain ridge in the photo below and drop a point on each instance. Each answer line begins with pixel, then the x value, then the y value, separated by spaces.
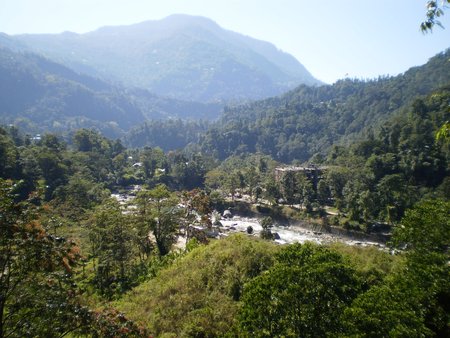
pixel 309 120
pixel 181 56
pixel 40 95
pixel 60 226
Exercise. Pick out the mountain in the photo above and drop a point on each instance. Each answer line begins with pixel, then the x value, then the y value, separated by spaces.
pixel 181 56
pixel 40 95
pixel 309 120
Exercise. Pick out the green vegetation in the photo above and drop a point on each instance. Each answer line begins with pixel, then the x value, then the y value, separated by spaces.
pixel 38 293
pixel 413 301
pixel 304 294
pixel 435 9
pixel 124 256
pixel 198 294
pixel 101 240
pixel 308 121
pixel 39 96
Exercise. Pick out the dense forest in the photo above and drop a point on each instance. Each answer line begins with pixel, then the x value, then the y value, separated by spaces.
pixel 309 120
pixel 78 260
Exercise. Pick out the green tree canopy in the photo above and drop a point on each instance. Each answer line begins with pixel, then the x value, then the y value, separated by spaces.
pixel 303 295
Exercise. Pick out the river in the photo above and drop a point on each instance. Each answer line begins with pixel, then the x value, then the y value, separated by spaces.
pixel 291 234
pixel 286 234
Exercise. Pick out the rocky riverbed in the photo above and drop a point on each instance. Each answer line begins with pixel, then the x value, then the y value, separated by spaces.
pixel 289 234
pixel 283 234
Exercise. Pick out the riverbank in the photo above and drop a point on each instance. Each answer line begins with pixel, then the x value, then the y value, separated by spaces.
pixel 294 233
pixel 286 217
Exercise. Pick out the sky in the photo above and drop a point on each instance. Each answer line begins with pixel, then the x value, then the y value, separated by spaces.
pixel 333 39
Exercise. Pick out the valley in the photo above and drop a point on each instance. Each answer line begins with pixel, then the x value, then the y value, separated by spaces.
pixel 172 178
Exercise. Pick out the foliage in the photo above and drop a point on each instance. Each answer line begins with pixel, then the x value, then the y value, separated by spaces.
pixel 266 223
pixel 111 242
pixel 39 95
pixel 310 120
pixel 425 228
pixel 157 211
pixel 389 310
pixel 434 11
pixel 444 132
pixel 414 300
pixel 37 294
pixel 303 295
pixel 380 177
pixel 173 134
pixel 198 294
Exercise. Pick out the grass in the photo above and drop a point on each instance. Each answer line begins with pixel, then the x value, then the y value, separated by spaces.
pixel 201 291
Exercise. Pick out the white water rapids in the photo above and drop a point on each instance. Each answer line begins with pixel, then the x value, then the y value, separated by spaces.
pixel 290 234
pixel 287 234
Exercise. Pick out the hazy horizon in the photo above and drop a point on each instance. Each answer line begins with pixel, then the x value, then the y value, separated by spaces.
pixel 356 39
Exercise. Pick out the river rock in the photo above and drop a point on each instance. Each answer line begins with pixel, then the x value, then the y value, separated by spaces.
pixel 227 214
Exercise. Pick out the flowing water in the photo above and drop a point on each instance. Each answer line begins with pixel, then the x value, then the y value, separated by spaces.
pixel 290 234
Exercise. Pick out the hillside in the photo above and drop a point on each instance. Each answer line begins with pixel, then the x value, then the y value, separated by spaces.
pixel 181 56
pixel 40 95
pixel 309 120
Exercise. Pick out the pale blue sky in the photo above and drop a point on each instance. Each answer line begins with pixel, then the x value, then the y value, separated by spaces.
pixel 333 39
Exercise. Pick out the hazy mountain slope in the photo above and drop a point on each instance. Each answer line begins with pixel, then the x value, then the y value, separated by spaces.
pixel 180 56
pixel 41 95
pixel 309 120
pixel 53 97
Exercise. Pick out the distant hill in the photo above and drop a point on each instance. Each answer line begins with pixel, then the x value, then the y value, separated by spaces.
pixel 309 120
pixel 40 95
pixel 181 56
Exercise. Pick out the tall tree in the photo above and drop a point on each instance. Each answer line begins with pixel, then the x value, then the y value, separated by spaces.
pixel 37 293
pixel 159 212
pixel 110 236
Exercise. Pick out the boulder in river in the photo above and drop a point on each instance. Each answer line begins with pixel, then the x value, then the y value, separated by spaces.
pixel 227 214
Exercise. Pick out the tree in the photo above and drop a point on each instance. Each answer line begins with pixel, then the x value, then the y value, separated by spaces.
pixel 389 310
pixel 78 196
pixel 149 162
pixel 303 295
pixel 252 179
pixel 323 192
pixel 425 228
pixel 434 11
pixel 53 170
pixel 157 209
pixel 110 236
pixel 233 181
pixel 394 196
pixel 444 133
pixel 266 223
pixel 336 178
pixel 288 188
pixel 37 290
pixel 7 155
pixel 304 191
pixel 86 140
pixel 425 233
pixel 271 190
pixel 414 300
pixel 197 206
